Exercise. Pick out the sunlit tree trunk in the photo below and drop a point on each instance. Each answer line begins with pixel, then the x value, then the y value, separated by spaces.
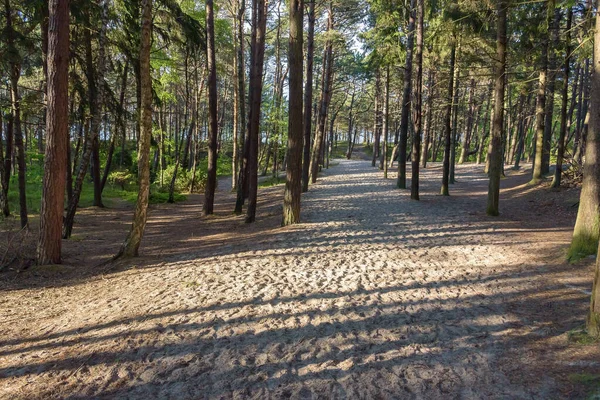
pixel 587 227
pixel 386 124
pixel 293 185
pixel 211 180
pixel 132 244
pixel 308 94
pixel 57 135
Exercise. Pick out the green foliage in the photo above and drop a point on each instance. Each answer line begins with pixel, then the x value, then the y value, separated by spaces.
pixel 122 179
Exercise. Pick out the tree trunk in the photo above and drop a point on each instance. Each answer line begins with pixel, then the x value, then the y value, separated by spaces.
pixel 428 119
pixel 211 181
pixel 418 96
pixel 15 114
pixel 132 244
pixel 563 109
pixel 293 185
pixel 308 95
pixel 466 142
pixel 538 170
pixel 591 185
pixel 406 91
pixel 324 103
pixel 386 123
pixel 377 121
pixel 119 125
pixel 447 125
pixel 554 28
pixel 586 232
pixel 240 95
pixel 57 139
pixel 96 96
pixel 496 158
pixel 259 21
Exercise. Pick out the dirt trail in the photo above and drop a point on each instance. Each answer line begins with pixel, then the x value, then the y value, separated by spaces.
pixel 374 296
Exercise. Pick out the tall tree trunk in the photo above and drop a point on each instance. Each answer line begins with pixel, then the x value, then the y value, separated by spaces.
pixel 418 96
pixel 466 142
pixel 552 47
pixel 120 125
pixel 428 119
pixel 308 94
pixel 455 103
pixel 259 22
pixel 587 226
pixel 57 135
pixel 240 95
pixel 96 98
pixel 386 123
pixel 563 109
pixel 211 181
pixel 132 244
pixel 15 114
pixel 293 185
pixel 538 168
pixel 324 102
pixel 406 91
pixel 591 185
pixel 496 158
pixel 445 191
pixel 377 119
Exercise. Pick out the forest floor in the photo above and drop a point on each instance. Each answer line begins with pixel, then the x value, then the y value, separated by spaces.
pixel 372 296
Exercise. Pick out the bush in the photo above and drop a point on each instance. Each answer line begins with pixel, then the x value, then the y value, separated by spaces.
pixel 183 180
pixel 121 178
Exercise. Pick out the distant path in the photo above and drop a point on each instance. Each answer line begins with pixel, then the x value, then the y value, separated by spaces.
pixel 374 296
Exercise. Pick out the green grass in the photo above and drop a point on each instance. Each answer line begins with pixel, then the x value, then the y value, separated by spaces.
pixel 272 181
pixel 581 337
pixel 581 247
pixel 590 381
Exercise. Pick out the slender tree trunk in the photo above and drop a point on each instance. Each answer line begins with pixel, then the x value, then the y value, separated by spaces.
pixel 455 103
pixel 324 103
pixel 96 98
pixel 132 244
pixel 447 125
pixel 240 95
pixel 552 47
pixel 15 114
pixel 377 120
pixel 418 96
pixel 259 17
pixel 496 158
pixel 386 123
pixel 57 135
pixel 308 95
pixel 563 109
pixel 293 185
pixel 211 181
pixel 406 91
pixel 538 168
pixel 466 142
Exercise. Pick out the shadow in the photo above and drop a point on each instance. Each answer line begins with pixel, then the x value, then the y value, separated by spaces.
pixel 372 296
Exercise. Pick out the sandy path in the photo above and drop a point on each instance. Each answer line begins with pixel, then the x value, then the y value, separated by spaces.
pixel 375 296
